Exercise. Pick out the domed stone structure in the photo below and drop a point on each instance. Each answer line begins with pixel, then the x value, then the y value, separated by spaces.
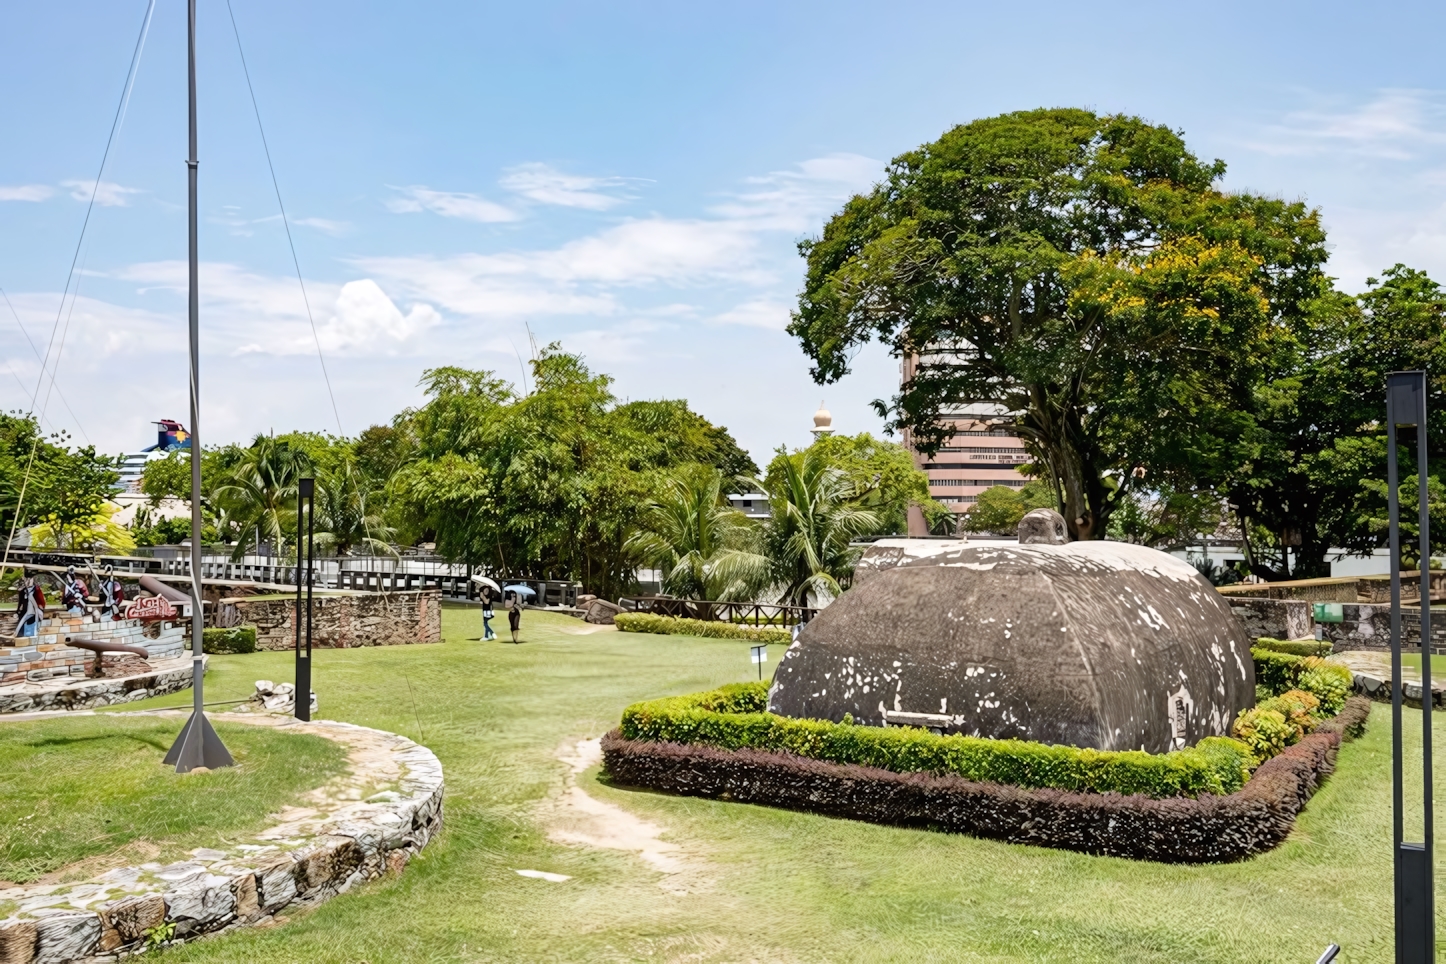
pixel 1092 644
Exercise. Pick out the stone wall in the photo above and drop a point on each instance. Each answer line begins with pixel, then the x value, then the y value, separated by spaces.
pixel 342 620
pixel 83 693
pixel 338 842
pixel 1276 618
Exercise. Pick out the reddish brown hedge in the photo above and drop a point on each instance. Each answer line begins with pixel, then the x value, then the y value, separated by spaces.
pixel 1206 829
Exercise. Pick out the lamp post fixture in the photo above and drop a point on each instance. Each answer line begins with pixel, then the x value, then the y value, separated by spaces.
pixel 305 559
pixel 1415 895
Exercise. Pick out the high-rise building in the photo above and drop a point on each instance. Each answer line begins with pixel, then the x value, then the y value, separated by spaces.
pixel 980 454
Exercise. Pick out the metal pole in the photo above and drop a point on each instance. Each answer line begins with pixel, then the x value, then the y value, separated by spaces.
pixel 1414 885
pixel 305 500
pixel 198 745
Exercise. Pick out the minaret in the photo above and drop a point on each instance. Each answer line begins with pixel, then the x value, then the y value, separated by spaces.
pixel 822 422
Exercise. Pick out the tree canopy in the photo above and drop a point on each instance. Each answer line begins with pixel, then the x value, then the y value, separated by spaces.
pixel 1084 274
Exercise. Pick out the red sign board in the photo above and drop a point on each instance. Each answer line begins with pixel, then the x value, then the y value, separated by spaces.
pixel 151 608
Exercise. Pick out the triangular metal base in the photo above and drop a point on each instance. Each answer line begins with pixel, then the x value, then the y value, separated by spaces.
pixel 198 746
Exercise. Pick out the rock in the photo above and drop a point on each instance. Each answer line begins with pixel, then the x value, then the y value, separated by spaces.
pixel 248 904
pixel 1091 644
pixel 196 770
pixel 207 902
pixel 264 687
pixel 601 612
pixel 584 599
pixel 17 942
pixel 65 937
pixel 276 883
pixel 1043 527
pixel 127 921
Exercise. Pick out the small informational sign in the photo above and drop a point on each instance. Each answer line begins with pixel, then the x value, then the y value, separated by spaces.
pixel 759 655
pixel 151 608
pixel 1328 612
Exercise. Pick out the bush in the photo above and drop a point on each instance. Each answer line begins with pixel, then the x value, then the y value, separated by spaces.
pixel 1208 829
pixel 1328 681
pixel 1295 647
pixel 240 639
pixel 733 718
pixel 672 625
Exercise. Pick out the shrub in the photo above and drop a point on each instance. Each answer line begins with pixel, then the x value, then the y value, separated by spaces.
pixel 1295 647
pixel 1329 681
pixel 733 718
pixel 1264 730
pixel 240 639
pixel 1208 829
pixel 673 625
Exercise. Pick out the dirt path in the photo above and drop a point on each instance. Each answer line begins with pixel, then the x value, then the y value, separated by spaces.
pixel 580 819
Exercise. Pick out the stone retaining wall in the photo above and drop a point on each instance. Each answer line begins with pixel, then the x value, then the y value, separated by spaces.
pixel 83 693
pixel 326 851
pixel 343 620
pixel 1363 626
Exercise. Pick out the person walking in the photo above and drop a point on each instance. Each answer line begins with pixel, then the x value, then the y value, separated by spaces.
pixel 514 614
pixel 487 614
pixel 29 608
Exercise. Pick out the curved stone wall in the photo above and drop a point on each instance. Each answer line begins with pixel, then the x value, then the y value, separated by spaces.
pixel 315 853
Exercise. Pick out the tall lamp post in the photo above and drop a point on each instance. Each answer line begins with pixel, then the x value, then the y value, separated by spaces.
pixel 305 559
pixel 198 745
pixel 1415 896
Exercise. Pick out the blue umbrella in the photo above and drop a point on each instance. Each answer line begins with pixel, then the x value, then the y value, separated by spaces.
pixel 522 590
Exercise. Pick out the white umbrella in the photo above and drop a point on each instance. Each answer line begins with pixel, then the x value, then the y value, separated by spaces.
pixel 484 581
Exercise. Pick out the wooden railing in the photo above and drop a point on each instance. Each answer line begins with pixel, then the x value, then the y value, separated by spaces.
pixel 752 614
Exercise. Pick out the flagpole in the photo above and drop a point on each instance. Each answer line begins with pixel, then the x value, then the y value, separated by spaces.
pixel 198 745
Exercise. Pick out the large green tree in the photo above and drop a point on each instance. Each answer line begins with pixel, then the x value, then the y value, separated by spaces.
pixel 1086 276
pixel 704 548
pixel 881 475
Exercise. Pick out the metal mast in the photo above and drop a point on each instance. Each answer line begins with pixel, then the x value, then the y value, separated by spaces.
pixel 198 745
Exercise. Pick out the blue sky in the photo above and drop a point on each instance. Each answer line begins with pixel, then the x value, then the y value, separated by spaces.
pixel 629 179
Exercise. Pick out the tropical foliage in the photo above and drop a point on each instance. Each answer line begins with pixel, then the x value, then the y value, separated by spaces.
pixel 816 519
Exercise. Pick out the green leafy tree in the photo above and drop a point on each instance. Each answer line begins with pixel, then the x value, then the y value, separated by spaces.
pixel 1083 273
pixel 1000 507
pixel 814 522
pixel 705 548
pixel 883 477
pixel 258 497
pixel 346 520
pixel 1316 474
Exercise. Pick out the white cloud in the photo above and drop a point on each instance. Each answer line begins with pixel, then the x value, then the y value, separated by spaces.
pixel 758 313
pixel 107 193
pixel 1395 125
pixel 25 192
pixel 449 204
pixel 798 200
pixel 324 225
pixel 547 185
pixel 366 318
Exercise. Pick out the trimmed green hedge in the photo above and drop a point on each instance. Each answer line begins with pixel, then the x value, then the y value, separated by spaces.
pixel 1295 647
pixel 240 639
pixel 1328 681
pixel 734 717
pixel 672 625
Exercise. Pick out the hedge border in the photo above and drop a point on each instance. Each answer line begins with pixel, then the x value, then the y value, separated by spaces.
pixel 1204 829
pixel 707 628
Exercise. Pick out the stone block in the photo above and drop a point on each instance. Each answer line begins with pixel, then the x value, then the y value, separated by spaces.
pixel 205 900
pixel 248 903
pixel 65 937
pixel 276 884
pixel 17 942
pixel 126 921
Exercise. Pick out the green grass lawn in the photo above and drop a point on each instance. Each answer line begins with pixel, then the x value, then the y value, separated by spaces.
pixel 93 786
pixel 763 884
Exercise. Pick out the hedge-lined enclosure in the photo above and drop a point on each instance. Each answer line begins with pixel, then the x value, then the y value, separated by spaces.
pixel 733 718
pixel 674 625
pixel 1199 804
pixel 1210 828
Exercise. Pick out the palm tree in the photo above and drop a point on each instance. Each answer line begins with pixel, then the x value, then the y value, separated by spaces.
pixel 814 521
pixel 704 547
pixel 344 519
pixel 259 497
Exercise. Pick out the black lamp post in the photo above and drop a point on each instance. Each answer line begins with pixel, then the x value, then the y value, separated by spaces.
pixel 305 504
pixel 1415 896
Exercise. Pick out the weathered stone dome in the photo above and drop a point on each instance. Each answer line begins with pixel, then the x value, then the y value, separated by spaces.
pixel 1092 644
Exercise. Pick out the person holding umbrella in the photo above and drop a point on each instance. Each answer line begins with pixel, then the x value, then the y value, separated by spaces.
pixel 514 596
pixel 490 591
